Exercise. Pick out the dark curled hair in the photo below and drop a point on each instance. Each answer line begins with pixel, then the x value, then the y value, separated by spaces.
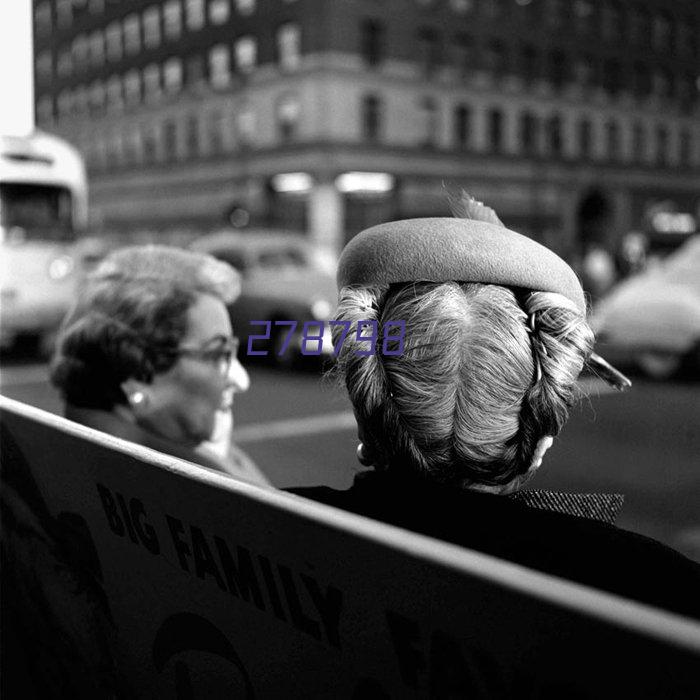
pixel 129 319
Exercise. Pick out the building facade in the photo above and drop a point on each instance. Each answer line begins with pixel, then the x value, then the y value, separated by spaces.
pixel 570 118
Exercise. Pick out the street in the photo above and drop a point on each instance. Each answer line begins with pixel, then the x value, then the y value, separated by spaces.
pixel 645 443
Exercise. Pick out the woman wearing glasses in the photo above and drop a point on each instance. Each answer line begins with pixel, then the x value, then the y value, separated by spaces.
pixel 148 354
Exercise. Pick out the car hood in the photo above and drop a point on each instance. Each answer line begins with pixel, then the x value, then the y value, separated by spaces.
pixel 650 311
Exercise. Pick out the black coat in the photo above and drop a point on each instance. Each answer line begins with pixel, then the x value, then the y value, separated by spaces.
pixel 580 549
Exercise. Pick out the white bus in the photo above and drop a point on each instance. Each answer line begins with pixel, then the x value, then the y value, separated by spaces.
pixel 43 210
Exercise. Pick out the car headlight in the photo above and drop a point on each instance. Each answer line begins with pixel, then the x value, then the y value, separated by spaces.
pixel 321 310
pixel 61 267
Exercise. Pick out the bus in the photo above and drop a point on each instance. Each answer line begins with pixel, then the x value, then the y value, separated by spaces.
pixel 43 211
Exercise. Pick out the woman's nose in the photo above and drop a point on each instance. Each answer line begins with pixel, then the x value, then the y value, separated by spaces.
pixel 238 378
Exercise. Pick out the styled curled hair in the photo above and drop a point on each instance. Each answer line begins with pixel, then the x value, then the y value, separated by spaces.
pixel 129 318
pixel 485 373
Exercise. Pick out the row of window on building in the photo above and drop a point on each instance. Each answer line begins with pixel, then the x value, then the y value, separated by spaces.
pixel 515 132
pixel 194 14
pixel 119 40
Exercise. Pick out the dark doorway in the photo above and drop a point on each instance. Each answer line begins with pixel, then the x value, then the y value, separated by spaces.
pixel 594 221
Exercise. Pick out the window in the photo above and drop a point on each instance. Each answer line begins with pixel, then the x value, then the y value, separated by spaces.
pixel 246 51
pixel 115 98
pixel 64 14
pixel 246 124
pixel 132 147
pixel 149 141
pixel 64 63
pixel 585 138
pixel 463 54
pixel 638 142
pixel 583 16
pixel 584 73
pixel 194 12
pixel 662 33
pixel 641 79
pixel 44 110
pixel 494 123
pixel 245 7
pixel 462 7
pixel 97 48
pixel 194 70
pixel 429 111
pixel 428 50
pixel 685 146
pixel 44 66
pixel 371 118
pixel 151 81
pixel 65 103
pixel 612 141
pixel 215 129
pixel 372 42
pixel 661 146
pixel 97 96
pixel 151 27
pixel 113 40
pixel 289 46
pixel 192 136
pixel 528 63
pixel 613 21
pixel 42 19
pixel 462 126
pixel 528 133
pixel 288 112
pixel 81 100
pixel 172 75
pixel 132 87
pixel 219 66
pixel 219 11
pixel 554 135
pixel 495 58
pixel 557 68
pixel 170 145
pixel 640 26
pixel 80 49
pixel 612 76
pixel 132 34
pixel 172 19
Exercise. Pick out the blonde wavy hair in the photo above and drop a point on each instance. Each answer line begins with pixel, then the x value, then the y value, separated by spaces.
pixel 486 372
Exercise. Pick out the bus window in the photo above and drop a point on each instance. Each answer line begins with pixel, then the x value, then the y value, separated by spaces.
pixel 44 212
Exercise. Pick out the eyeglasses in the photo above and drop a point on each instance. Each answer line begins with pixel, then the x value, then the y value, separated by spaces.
pixel 221 351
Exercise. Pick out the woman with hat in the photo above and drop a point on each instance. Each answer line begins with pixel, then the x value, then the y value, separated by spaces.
pixel 148 354
pixel 456 424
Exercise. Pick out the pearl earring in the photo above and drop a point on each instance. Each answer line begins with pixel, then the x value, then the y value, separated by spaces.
pixel 362 457
pixel 137 398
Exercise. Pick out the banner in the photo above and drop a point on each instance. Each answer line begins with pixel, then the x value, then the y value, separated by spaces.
pixel 130 573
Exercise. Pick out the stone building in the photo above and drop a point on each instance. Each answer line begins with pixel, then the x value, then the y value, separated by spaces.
pixel 571 117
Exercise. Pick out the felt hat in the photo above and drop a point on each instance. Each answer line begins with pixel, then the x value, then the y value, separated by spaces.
pixel 475 249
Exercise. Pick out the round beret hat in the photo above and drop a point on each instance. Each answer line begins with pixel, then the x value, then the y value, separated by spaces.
pixel 447 249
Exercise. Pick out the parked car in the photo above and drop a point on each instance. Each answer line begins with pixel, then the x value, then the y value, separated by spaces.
pixel 284 278
pixel 654 317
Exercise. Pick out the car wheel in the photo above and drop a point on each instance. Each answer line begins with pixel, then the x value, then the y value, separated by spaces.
pixel 659 365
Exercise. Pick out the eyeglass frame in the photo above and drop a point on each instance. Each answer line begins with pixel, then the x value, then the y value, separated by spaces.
pixel 225 354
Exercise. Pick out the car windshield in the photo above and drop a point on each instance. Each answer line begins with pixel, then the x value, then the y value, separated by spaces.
pixel 282 258
pixel 40 211
pixel 235 258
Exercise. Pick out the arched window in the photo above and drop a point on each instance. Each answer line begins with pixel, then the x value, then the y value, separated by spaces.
pixel 288 112
pixel 612 141
pixel 289 46
pixel 462 126
pixel 639 143
pixel 192 136
pixel 554 135
pixel 429 111
pixel 370 117
pixel 585 138
pixel 170 140
pixel 661 145
pixel 528 133
pixel 495 130
pixel 372 41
